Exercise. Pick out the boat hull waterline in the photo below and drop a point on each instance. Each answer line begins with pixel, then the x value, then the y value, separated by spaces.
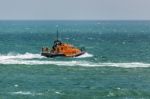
pixel 57 55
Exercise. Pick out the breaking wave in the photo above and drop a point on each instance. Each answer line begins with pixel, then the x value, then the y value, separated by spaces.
pixel 37 59
pixel 20 56
pixel 85 55
pixel 25 93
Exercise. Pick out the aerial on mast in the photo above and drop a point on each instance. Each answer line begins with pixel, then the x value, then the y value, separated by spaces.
pixel 57 32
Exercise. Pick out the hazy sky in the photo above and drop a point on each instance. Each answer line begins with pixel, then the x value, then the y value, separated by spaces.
pixel 75 9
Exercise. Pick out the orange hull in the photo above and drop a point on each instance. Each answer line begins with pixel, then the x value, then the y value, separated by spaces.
pixel 61 49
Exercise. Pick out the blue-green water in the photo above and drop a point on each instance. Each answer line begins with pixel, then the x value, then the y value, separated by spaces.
pixel 116 65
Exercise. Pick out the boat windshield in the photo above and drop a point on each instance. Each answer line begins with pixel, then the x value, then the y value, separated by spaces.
pixel 57 42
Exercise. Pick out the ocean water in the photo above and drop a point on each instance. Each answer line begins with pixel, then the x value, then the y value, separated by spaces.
pixel 116 65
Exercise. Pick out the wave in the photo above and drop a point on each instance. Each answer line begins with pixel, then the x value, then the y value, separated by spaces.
pixel 20 56
pixel 25 93
pixel 37 59
pixel 32 56
pixel 75 63
pixel 85 55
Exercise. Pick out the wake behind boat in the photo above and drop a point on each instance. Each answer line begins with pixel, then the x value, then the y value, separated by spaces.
pixel 60 48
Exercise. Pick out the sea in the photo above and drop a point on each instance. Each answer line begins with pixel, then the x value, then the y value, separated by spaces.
pixel 116 64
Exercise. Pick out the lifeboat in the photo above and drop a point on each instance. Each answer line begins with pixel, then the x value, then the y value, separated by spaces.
pixel 62 49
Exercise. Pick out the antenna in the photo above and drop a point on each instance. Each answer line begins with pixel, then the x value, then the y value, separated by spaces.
pixel 57 32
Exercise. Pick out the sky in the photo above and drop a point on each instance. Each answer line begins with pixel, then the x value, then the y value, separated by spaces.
pixel 74 9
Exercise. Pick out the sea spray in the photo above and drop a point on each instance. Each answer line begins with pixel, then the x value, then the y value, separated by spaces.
pixel 20 56
pixel 36 59
pixel 86 55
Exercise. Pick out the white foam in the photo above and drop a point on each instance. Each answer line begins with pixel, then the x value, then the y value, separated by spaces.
pixel 57 92
pixel 15 85
pixel 36 59
pixel 20 56
pixel 75 63
pixel 25 93
pixel 85 55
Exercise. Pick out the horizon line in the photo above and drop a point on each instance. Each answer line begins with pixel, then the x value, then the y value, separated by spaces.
pixel 74 19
